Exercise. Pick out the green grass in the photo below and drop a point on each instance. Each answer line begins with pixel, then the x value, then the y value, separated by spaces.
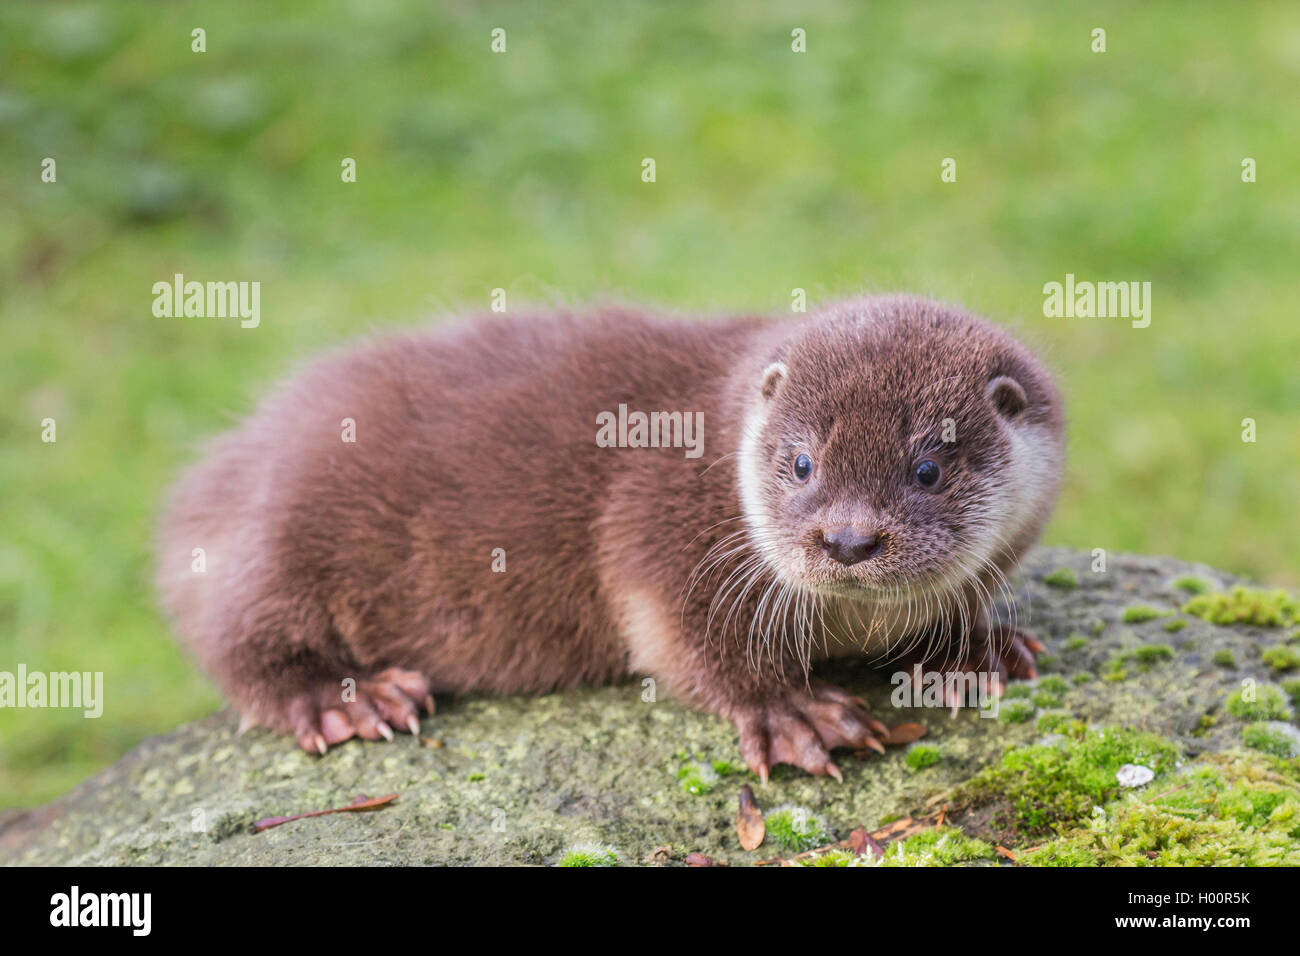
pixel 522 171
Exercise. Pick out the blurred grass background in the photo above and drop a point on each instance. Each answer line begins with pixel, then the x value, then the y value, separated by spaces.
pixel 522 170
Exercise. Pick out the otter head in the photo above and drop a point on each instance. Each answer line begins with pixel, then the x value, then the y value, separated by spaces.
pixel 894 447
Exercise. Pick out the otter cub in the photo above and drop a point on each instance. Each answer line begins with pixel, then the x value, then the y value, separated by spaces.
pixel 440 512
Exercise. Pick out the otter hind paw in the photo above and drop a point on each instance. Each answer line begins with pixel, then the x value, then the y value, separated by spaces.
pixel 328 714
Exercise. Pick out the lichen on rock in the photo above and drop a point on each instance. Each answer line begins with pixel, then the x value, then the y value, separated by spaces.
pixel 533 780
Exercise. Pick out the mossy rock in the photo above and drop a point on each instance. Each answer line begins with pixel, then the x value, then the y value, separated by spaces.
pixel 542 780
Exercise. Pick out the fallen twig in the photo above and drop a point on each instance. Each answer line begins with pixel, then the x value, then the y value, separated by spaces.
pixel 361 803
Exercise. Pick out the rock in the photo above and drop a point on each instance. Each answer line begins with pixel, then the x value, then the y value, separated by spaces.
pixel 1134 775
pixel 522 780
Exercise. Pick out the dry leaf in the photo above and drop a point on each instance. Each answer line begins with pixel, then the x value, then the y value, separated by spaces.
pixel 860 842
pixel 698 859
pixel 749 821
pixel 659 855
pixel 906 734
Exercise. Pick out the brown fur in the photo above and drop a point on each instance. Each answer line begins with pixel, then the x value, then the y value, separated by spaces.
pixel 373 560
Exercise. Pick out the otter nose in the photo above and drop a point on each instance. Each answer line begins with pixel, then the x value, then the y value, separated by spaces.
pixel 848 546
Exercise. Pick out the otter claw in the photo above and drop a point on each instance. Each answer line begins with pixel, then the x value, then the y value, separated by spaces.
pixel 384 730
pixel 413 724
pixel 802 727
pixel 321 746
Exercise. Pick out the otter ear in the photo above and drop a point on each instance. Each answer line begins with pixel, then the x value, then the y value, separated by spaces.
pixel 1007 395
pixel 773 376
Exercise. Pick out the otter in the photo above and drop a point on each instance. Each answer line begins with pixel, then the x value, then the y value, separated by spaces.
pixel 433 513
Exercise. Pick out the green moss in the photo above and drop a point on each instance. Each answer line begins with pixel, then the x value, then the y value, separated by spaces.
pixel 1048 786
pixel 697 778
pixel 1292 689
pixel 1115 670
pixel 1053 684
pixel 590 854
pixel 840 858
pixel 1018 692
pixel 1227 810
pixel 1017 711
pixel 1149 654
pixel 1046 701
pixel 1273 737
pixel 1283 657
pixel 796 829
pixel 1141 612
pixel 1075 642
pixel 1059 721
pixel 1144 656
pixel 1080 678
pixel 1259 702
pixel 1176 625
pixel 1058 853
pixel 1192 585
pixel 1244 605
pixel 1225 658
pixel 942 847
pixel 1098 625
pixel 1062 578
pixel 921 755
pixel 476 777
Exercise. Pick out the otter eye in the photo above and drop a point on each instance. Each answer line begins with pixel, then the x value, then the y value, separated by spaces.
pixel 802 467
pixel 927 474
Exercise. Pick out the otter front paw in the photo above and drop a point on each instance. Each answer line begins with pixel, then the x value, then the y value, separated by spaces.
pixel 801 728
pixel 325 715
pixel 999 649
